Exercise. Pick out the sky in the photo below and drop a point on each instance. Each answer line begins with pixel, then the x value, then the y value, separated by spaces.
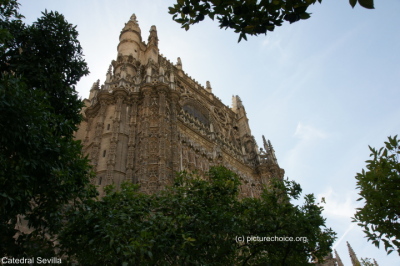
pixel 321 89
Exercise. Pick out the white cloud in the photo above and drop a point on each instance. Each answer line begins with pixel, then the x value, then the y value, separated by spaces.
pixel 337 206
pixel 309 133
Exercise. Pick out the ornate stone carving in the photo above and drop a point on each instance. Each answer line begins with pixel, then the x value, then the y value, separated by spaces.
pixel 162 121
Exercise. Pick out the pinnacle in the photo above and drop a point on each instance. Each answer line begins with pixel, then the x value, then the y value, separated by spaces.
pixel 133 18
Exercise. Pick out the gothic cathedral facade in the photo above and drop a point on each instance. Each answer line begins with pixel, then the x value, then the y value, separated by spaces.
pixel 150 120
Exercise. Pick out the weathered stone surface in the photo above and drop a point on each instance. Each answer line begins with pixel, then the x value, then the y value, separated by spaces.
pixel 150 120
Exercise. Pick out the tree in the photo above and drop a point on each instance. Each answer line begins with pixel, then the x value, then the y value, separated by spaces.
pixel 368 262
pixel 198 221
pixel 246 16
pixel 275 215
pixel 379 187
pixel 42 170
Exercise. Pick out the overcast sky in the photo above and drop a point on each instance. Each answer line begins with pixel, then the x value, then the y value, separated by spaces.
pixel 321 89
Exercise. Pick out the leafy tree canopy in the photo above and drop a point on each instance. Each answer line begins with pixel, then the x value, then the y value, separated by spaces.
pixel 251 17
pixel 379 187
pixel 198 221
pixel 42 170
pixel 368 262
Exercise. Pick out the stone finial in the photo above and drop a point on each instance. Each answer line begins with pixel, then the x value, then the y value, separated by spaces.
pixel 133 18
pixel 208 86
pixel 179 64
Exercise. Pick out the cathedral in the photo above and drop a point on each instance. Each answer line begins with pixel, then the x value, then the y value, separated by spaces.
pixel 150 120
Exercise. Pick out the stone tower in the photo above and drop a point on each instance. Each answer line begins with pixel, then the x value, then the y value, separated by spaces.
pixel 150 119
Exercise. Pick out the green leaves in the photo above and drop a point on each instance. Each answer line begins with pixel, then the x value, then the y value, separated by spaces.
pixel 380 190
pixel 353 3
pixel 246 17
pixel 42 170
pixel 196 221
pixel 366 3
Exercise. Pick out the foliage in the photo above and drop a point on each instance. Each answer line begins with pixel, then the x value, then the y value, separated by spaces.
pixel 246 16
pixel 8 11
pixel 380 189
pixel 364 3
pixel 274 215
pixel 42 171
pixel 196 221
pixel 367 262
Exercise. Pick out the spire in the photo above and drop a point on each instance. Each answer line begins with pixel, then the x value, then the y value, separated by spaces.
pixel 338 260
pixel 269 150
pixel 353 257
pixel 265 143
pixel 270 145
pixel 153 38
pixel 133 18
